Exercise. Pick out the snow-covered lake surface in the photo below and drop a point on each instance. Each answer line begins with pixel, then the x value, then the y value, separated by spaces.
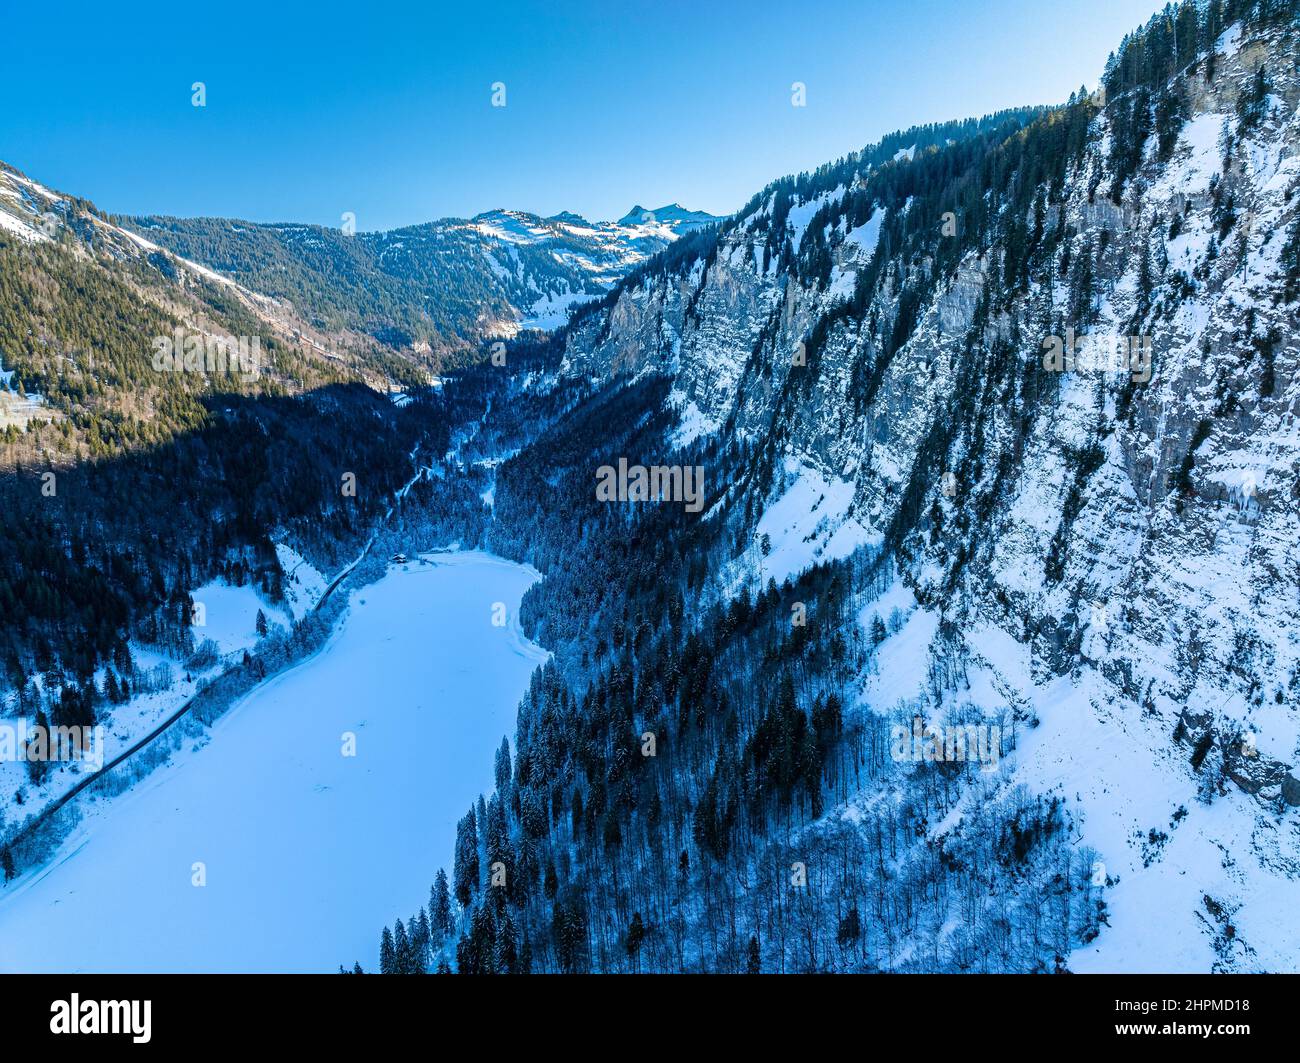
pixel 308 853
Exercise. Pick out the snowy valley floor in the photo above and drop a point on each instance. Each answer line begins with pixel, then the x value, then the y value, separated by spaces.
pixel 305 850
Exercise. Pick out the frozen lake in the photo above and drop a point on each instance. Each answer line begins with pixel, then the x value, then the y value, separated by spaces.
pixel 308 853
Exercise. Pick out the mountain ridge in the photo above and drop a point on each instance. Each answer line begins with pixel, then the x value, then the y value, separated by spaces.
pixel 436 290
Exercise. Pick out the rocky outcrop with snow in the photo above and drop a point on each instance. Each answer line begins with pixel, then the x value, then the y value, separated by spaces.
pixel 1115 544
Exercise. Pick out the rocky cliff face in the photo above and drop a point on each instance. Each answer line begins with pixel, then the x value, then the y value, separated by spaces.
pixel 1067 414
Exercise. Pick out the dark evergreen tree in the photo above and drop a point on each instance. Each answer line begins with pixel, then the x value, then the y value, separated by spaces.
pixel 503 767
pixel 466 869
pixel 420 943
pixel 440 913
pixel 635 936
pixel 1290 261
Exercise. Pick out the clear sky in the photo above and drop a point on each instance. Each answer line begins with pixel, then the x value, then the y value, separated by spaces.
pixel 385 110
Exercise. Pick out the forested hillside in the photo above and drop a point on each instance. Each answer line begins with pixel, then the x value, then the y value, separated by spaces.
pixel 83 306
pixel 431 290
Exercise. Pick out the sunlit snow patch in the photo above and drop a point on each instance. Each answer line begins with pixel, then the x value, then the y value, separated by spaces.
pixel 693 423
pixel 18 408
pixel 810 523
pixel 229 615
pixel 303 582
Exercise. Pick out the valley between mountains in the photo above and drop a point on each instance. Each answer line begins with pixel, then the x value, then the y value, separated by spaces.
pixel 975 648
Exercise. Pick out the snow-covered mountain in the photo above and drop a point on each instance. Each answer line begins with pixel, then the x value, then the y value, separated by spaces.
pixel 674 215
pixel 442 286
pixel 549 265
pixel 1101 550
pixel 981 651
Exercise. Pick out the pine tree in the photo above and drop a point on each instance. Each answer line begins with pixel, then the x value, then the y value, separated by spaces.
pixel 498 844
pixel 1169 120
pixel 476 951
pixel 440 913
pixel 752 965
pixel 1290 261
pixel 465 870
pixel 503 768
pixel 387 956
pixel 505 958
pixel 420 943
pixel 1253 104
pixel 1082 306
pixel 1226 143
pixel 1145 285
pixel 403 960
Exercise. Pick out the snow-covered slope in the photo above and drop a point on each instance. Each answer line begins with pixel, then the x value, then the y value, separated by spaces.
pixel 1114 546
pixel 583 259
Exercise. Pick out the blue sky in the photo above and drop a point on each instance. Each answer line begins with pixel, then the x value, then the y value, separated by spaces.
pixel 386 111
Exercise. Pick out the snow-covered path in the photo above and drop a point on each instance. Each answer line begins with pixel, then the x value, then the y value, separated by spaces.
pixel 307 852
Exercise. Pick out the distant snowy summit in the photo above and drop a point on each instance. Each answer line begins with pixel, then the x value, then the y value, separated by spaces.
pixel 581 259
pixel 637 225
pixel 674 216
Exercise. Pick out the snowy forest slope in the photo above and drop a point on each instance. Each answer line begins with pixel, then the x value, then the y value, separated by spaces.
pixel 1022 393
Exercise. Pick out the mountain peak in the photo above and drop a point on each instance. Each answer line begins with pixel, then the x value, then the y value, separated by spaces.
pixel 674 215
